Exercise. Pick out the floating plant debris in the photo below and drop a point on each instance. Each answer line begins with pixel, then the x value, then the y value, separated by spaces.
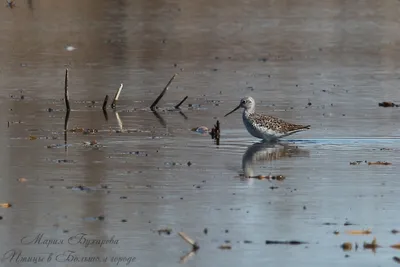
pixel 64 161
pixel 87 188
pixel 358 162
pixel 346 246
pixel 92 143
pixel 291 242
pixel 359 232
pixel 225 247
pixel 90 131
pixel 76 130
pixel 269 177
pixel 387 104
pixel 373 245
pixel 166 231
pixel 80 188
pixel 216 133
pixel 396 246
pixel 379 163
pixel 56 146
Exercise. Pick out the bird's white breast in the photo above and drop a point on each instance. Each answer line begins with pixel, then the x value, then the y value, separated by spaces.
pixel 258 130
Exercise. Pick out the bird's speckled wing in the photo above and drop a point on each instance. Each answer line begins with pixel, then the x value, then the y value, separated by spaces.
pixel 275 124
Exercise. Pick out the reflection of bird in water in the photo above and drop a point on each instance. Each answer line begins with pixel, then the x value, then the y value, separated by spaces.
pixel 264 151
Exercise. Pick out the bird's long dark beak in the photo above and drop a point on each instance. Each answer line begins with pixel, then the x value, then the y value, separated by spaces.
pixel 233 110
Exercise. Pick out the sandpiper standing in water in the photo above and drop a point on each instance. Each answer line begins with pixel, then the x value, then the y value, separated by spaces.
pixel 265 127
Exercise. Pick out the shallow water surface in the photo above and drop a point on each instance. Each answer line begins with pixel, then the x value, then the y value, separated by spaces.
pixel 120 178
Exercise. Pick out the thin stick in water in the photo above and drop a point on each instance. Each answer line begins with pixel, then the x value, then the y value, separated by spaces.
pixel 66 95
pixel 216 132
pixel 105 114
pixel 105 107
pixel 185 258
pixel 160 118
pixel 66 129
pixel 116 97
pixel 162 93
pixel 121 127
pixel 180 103
pixel 189 241
pixel 105 102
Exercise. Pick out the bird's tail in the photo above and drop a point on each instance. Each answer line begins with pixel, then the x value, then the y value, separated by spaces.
pixel 299 128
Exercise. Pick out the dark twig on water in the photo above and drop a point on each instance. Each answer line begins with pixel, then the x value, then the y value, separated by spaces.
pixel 152 107
pixel 105 114
pixel 180 103
pixel 105 107
pixel 387 104
pixel 105 102
pixel 183 115
pixel 160 119
pixel 66 129
pixel 291 242
pixel 216 132
pixel 66 95
pixel 116 97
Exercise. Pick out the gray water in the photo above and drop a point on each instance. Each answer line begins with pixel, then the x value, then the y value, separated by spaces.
pixel 326 63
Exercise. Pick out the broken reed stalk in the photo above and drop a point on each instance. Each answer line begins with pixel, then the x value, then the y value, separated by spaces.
pixel 105 107
pixel 216 132
pixel 189 241
pixel 66 95
pixel 105 114
pixel 162 93
pixel 66 129
pixel 116 97
pixel 105 102
pixel 180 103
pixel 121 127
pixel 185 258
pixel 160 119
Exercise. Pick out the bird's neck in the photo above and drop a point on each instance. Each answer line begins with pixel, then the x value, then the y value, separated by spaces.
pixel 249 111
